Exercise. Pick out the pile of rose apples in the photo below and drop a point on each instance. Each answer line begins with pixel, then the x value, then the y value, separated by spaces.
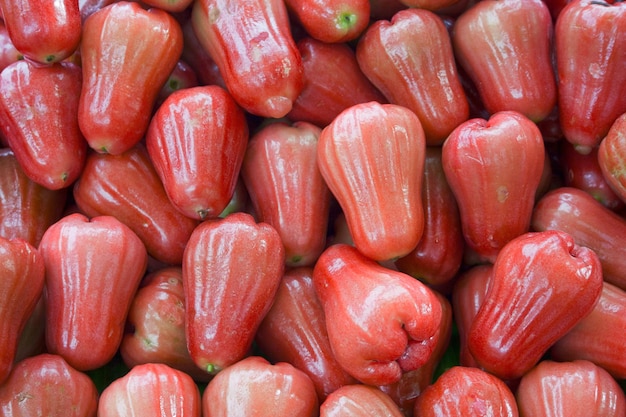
pixel 313 208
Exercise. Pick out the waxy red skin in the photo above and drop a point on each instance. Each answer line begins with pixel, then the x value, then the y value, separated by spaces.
pixel 466 392
pixel 182 76
pixel 8 53
pixel 46 385
pixel 359 401
pixel 331 21
pixel 505 47
pixel 38 107
pixel 431 5
pixel 196 141
pixel 598 337
pixel 372 159
pixel 381 323
pixel 93 269
pixel 127 54
pixel 420 75
pixel 27 209
pixel 577 388
pixel 294 331
pixel 468 295
pixel 590 223
pixel 438 256
pixel 194 53
pixel 286 187
pixel 405 392
pixel 611 156
pixel 583 171
pixel 157 320
pixel 253 387
pixel 232 267
pixel 590 47
pixel 127 186
pixel 23 273
pixel 253 48
pixel 541 286
pixel 494 168
pixel 44 32
pixel 333 81
pixel 152 389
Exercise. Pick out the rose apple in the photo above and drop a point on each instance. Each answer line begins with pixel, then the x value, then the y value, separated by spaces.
pixel 182 76
pixel 359 401
pixel 93 269
pixel 577 388
pixel 505 47
pixel 420 75
pixel 381 323
pixel 46 385
pixel 128 187
pixel 252 387
pixel 590 47
pixel 8 53
pixel 151 389
pixel 252 45
pixel 466 392
pixel 611 157
pixel 294 331
pixel 232 267
pixel 43 31
pixel 27 209
pixel 598 336
pixel 372 159
pixel 494 168
pixel 196 141
pixel 194 53
pixel 23 273
pixel 438 256
pixel 541 286
pixel 157 324
pixel 590 223
pixel 38 108
pixel 331 21
pixel 286 188
pixel 333 81
pixel 127 54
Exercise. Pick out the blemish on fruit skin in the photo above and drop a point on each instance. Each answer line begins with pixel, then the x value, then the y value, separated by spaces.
pixel 502 193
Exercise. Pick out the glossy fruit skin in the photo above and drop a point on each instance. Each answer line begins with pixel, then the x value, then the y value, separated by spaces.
pixel 331 21
pixel 38 106
pixel 294 331
pixel 127 54
pixel 23 273
pixel 253 48
pixel 44 32
pixel 93 269
pixel 421 76
pixel 333 81
pixel 157 320
pixel 576 388
pixel 196 141
pixel 611 157
pixel 253 387
pixel 27 209
pixel 151 389
pixel 466 392
pixel 541 286
pixel 438 256
pixel 583 171
pixel 590 46
pixel 372 159
pixel 381 323
pixel 46 385
pixel 182 76
pixel 505 48
pixel 358 400
pixel 232 267
pixel 598 336
pixel 127 186
pixel 286 187
pixel 590 223
pixel 8 53
pixel 494 168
